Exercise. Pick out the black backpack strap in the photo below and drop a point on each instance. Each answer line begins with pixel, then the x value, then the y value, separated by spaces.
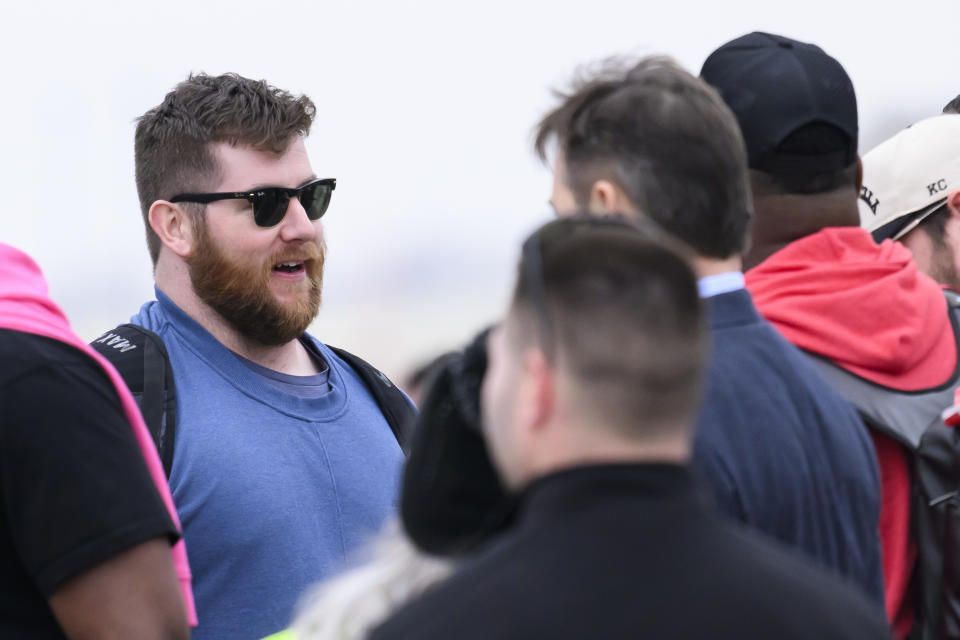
pixel 141 358
pixel 394 405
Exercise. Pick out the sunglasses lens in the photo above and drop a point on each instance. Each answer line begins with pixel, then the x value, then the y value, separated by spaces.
pixel 270 205
pixel 269 208
pixel 315 200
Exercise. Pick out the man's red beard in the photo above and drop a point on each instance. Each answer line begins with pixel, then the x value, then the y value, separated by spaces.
pixel 241 294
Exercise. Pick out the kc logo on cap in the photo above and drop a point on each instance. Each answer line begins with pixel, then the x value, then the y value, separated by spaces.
pixel 936 187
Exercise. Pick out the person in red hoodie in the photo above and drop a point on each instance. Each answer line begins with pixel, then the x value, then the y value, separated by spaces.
pixel 823 281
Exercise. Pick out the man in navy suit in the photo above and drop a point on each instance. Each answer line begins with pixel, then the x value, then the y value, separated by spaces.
pixel 775 447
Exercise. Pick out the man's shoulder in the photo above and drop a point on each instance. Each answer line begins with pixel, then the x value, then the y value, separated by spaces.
pixel 506 595
pixel 806 595
pixel 22 353
pixel 760 386
pixel 358 367
pixel 391 401
pixel 128 344
pixel 740 327
pixel 739 569
pixel 742 337
pixel 35 346
pixel 468 605
pixel 753 358
pixel 338 354
pixel 151 316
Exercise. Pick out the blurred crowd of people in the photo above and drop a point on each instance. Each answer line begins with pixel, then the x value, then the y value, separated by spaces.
pixel 720 403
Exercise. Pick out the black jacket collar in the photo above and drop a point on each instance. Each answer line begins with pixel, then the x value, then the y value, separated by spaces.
pixel 582 487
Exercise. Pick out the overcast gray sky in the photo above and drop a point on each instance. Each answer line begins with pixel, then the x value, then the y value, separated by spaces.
pixel 425 111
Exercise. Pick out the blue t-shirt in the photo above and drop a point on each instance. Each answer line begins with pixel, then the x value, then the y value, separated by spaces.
pixel 274 489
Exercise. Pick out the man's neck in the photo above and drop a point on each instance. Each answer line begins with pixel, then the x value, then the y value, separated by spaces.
pixel 579 447
pixel 785 218
pixel 291 358
pixel 705 267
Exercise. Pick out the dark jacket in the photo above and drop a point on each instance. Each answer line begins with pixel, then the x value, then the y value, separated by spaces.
pixel 782 452
pixel 629 551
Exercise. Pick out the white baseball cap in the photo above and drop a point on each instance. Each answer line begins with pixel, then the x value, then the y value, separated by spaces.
pixel 909 176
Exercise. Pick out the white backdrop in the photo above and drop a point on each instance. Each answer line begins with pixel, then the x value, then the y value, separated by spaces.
pixel 425 112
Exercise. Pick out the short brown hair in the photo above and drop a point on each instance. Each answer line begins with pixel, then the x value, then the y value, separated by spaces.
pixel 617 307
pixel 667 139
pixel 172 152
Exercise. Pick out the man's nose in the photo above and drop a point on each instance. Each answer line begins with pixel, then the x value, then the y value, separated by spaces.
pixel 296 225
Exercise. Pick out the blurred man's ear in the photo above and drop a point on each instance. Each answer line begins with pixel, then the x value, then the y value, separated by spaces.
pixel 538 391
pixel 607 198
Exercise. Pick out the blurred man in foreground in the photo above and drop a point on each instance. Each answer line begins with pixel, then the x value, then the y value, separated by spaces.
pixel 588 406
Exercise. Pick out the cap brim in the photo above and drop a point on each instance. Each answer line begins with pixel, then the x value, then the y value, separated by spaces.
pixel 902 225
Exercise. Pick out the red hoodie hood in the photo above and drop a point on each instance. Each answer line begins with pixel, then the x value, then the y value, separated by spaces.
pixel 865 306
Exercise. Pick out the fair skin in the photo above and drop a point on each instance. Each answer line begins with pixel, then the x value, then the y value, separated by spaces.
pixel 134 594
pixel 537 422
pixel 933 260
pixel 231 225
pixel 607 199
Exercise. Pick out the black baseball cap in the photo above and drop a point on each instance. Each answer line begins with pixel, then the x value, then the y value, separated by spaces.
pixel 775 86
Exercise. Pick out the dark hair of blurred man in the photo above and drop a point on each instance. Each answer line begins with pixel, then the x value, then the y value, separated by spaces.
pixel 864 309
pixel 588 407
pixel 778 450
pixel 953 106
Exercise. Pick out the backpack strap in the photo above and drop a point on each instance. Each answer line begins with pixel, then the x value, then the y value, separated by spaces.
pixel 913 418
pixel 141 359
pixel 394 404
pixel 902 415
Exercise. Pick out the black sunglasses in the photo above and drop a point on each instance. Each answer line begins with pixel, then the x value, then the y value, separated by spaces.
pixel 270 203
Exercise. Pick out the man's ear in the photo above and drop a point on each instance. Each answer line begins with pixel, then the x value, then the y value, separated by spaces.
pixel 859 174
pixel 953 203
pixel 607 198
pixel 173 226
pixel 539 392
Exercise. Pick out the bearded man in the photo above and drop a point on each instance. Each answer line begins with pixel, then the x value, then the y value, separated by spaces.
pixel 284 461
